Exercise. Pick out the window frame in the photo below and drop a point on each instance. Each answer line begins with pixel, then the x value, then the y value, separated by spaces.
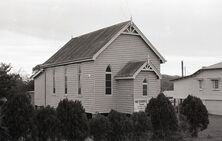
pixel 108 72
pixel 53 82
pixel 65 81
pixel 79 89
pixel 146 86
pixel 200 82
pixel 215 85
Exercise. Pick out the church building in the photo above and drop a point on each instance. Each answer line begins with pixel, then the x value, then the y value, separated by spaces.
pixel 112 68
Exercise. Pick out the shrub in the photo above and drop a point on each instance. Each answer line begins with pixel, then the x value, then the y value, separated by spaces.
pixel 196 114
pixel 4 135
pixel 121 126
pixel 100 127
pixel 163 117
pixel 73 120
pixel 17 116
pixel 141 125
pixel 46 123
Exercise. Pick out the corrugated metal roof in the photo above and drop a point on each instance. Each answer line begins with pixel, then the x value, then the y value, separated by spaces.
pixel 85 46
pixel 217 66
pixel 130 69
pixel 214 66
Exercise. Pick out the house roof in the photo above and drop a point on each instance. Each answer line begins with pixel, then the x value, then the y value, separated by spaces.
pixel 131 69
pixel 88 46
pixel 211 67
pixel 85 46
pixel 214 66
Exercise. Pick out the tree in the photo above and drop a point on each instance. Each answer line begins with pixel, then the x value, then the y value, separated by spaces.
pixel 4 135
pixel 46 123
pixel 73 120
pixel 163 117
pixel 100 127
pixel 12 83
pixel 141 124
pixel 196 114
pixel 17 116
pixel 121 126
pixel 6 80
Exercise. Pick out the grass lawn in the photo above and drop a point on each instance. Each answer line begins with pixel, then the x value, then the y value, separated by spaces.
pixel 213 132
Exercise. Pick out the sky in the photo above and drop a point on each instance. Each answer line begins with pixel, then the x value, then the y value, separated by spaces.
pixel 188 30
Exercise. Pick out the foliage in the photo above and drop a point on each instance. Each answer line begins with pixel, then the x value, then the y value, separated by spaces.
pixel 100 127
pixel 46 123
pixel 17 116
pixel 141 124
pixel 73 120
pixel 4 135
pixel 12 83
pixel 196 114
pixel 184 125
pixel 163 117
pixel 6 80
pixel 121 126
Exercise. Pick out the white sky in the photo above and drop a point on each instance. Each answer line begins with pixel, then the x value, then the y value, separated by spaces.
pixel 189 30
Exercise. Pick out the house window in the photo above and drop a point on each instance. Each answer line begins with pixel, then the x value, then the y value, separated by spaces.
pixel 65 74
pixel 200 84
pixel 108 81
pixel 53 77
pixel 79 80
pixel 215 84
pixel 145 87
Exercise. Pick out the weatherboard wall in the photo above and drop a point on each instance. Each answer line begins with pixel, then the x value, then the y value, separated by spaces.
pixel 125 96
pixel 52 99
pixel 153 83
pixel 122 50
pixel 211 98
pixel 39 88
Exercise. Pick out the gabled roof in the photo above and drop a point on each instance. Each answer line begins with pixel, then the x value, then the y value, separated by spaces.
pixel 129 69
pixel 132 69
pixel 88 46
pixel 211 67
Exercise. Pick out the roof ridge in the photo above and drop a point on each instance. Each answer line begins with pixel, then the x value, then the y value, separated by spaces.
pixel 99 29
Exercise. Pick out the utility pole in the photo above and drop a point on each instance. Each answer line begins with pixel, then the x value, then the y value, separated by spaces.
pixel 182 68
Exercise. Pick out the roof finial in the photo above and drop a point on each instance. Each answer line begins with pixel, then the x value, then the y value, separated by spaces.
pixel 131 19
pixel 148 58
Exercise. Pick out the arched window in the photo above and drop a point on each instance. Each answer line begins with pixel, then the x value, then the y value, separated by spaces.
pixel 79 80
pixel 66 79
pixel 108 81
pixel 53 81
pixel 145 87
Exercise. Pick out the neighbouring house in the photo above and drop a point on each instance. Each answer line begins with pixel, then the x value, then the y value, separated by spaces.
pixel 205 84
pixel 112 68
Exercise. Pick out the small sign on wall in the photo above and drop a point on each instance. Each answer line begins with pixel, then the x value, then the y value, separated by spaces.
pixel 140 105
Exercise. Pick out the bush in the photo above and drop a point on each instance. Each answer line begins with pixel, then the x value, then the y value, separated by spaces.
pixel 4 135
pixel 196 114
pixel 73 120
pixel 46 123
pixel 121 126
pixel 163 117
pixel 100 127
pixel 17 116
pixel 141 125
